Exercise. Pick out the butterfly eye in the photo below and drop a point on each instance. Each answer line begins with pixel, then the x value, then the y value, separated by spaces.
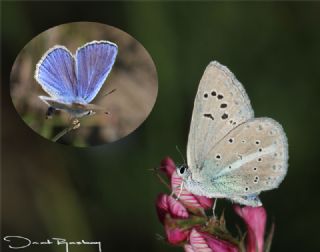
pixel 50 112
pixel 182 169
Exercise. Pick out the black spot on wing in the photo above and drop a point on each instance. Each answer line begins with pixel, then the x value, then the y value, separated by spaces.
pixel 209 116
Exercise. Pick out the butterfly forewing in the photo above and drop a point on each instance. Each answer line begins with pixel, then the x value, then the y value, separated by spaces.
pixel 94 61
pixel 221 104
pixel 249 159
pixel 55 73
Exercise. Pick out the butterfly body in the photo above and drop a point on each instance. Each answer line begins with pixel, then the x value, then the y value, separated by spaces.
pixel 230 153
pixel 73 81
pixel 76 110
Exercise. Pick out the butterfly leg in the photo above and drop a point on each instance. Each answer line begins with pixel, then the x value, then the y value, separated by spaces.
pixel 180 191
pixel 214 207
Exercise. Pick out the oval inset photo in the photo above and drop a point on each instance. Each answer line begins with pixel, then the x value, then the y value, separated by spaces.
pixel 84 84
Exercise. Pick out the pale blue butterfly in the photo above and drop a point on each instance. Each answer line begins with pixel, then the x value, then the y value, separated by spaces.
pixel 231 154
pixel 73 81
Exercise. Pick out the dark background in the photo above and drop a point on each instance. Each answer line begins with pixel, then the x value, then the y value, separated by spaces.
pixel 107 193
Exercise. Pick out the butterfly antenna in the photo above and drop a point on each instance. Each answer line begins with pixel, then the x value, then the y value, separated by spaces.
pixel 156 172
pixel 182 157
pixel 156 169
pixel 108 93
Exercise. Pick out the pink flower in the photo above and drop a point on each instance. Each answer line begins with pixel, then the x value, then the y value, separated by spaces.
pixel 204 242
pixel 169 210
pixel 167 166
pixel 255 220
pixel 186 223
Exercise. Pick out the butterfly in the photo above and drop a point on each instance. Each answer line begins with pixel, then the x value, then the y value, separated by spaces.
pixel 231 154
pixel 73 81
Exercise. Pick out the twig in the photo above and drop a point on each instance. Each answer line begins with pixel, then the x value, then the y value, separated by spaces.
pixel 75 124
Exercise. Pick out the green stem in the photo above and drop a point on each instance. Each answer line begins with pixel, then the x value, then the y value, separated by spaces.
pixel 194 220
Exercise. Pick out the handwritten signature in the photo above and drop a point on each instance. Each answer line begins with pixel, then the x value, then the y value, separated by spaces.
pixel 24 242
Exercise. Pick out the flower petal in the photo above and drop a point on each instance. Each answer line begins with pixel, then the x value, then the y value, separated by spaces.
pixel 218 245
pixel 204 242
pixel 168 210
pixel 198 243
pixel 176 235
pixel 255 219
pixel 205 202
pixel 162 206
pixel 167 166
pixel 188 248
pixel 167 204
pixel 176 209
pixel 188 199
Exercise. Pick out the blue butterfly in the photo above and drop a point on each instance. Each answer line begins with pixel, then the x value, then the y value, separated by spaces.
pixel 73 81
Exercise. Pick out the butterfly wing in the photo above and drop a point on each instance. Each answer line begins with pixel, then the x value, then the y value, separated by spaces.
pixel 94 61
pixel 221 104
pixel 55 103
pixel 251 158
pixel 55 73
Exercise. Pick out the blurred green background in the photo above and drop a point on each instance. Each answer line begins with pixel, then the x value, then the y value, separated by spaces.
pixel 106 193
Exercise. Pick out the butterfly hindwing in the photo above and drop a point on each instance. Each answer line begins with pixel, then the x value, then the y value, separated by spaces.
pixel 221 104
pixel 94 61
pixel 249 159
pixel 55 73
